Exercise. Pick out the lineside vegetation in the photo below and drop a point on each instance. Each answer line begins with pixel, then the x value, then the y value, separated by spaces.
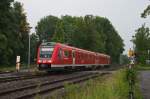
pixel 114 86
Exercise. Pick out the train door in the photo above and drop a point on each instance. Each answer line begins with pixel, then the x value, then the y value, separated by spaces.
pixel 73 56
pixel 60 57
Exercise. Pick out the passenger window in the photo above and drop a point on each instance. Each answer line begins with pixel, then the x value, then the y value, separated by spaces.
pixel 66 53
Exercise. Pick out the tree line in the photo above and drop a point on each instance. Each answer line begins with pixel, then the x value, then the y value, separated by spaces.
pixel 88 32
pixel 141 40
pixel 14 30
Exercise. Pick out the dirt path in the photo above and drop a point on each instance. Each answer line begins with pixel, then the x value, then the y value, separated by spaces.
pixel 145 84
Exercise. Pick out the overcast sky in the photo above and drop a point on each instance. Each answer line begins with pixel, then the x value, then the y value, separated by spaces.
pixel 124 14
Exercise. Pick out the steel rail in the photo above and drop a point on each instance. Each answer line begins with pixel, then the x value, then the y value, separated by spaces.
pixel 59 85
pixel 52 85
pixel 15 78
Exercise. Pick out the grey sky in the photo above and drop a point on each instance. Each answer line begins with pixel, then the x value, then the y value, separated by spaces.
pixel 124 14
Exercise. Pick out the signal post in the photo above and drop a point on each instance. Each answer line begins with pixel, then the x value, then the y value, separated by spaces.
pixel 131 57
pixel 131 72
pixel 18 63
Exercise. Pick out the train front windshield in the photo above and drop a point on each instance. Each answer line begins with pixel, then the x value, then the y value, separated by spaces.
pixel 46 52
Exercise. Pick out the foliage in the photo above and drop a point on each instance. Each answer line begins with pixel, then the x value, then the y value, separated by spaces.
pixel 142 39
pixel 131 74
pixel 14 31
pixel 142 45
pixel 114 87
pixel 59 37
pixel 124 59
pixel 90 32
pixel 143 67
pixel 134 86
pixel 33 44
pixel 46 27
pixel 146 12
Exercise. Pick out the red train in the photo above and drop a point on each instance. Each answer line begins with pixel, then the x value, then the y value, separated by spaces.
pixel 56 55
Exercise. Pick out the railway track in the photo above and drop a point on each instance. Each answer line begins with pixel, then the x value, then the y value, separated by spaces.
pixel 16 78
pixel 19 77
pixel 26 92
pixel 5 72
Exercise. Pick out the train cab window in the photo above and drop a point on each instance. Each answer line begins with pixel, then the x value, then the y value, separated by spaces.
pixel 46 51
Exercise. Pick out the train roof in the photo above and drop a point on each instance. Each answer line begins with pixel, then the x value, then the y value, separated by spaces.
pixel 79 49
pixel 83 50
pixel 48 44
pixel 71 47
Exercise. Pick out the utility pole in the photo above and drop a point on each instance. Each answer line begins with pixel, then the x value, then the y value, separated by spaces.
pixel 148 57
pixel 29 49
pixel 29 53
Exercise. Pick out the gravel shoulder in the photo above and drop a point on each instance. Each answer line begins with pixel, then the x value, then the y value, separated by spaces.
pixel 145 84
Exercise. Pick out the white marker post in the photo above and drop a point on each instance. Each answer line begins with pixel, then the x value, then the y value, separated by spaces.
pixel 18 63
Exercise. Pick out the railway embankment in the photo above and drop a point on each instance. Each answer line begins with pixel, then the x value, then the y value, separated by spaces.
pixel 112 86
pixel 28 88
pixel 107 83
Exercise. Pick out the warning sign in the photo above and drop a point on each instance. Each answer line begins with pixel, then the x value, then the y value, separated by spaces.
pixel 18 59
pixel 130 53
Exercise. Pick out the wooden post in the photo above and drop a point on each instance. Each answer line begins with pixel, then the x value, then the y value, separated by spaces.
pixel 18 63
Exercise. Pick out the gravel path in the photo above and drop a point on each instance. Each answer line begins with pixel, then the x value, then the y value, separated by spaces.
pixel 145 84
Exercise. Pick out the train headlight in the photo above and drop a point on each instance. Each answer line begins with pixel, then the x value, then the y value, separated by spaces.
pixel 49 61
pixel 39 61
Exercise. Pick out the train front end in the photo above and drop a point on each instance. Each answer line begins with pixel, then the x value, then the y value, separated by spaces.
pixel 44 55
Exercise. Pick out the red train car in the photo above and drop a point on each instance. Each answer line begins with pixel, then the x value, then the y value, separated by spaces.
pixel 56 55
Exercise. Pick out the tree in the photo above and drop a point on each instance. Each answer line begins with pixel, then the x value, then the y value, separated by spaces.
pixel 5 14
pixel 68 26
pixel 92 33
pixel 59 35
pixel 124 59
pixel 46 27
pixel 21 31
pixel 100 30
pixel 141 41
pixel 14 31
pixel 34 42
pixel 146 12
pixel 114 43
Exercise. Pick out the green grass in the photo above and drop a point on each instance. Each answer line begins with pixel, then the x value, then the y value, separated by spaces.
pixel 108 87
pixel 115 87
pixel 7 68
pixel 142 67
pixel 13 68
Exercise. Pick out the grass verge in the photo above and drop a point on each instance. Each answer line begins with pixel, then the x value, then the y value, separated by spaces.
pixel 13 68
pixel 142 67
pixel 108 87
pixel 7 68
